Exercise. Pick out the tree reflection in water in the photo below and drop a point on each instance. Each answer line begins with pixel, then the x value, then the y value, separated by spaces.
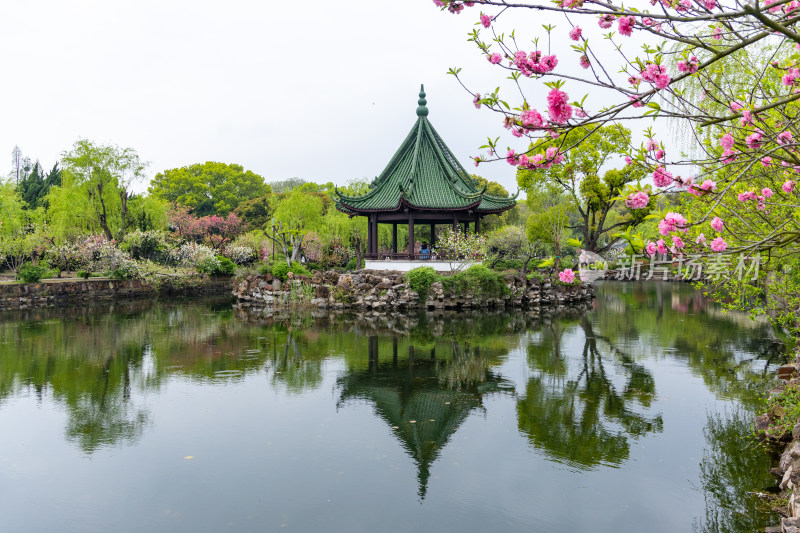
pixel 581 416
pixel 587 397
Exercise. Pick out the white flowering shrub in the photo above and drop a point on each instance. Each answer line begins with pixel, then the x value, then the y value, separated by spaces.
pixel 454 245
pixel 191 254
pixel 241 255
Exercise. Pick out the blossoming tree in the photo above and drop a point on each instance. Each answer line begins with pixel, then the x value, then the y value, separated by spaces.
pixel 728 74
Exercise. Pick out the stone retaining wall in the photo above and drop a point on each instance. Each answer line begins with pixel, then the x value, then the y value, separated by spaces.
pixel 78 292
pixel 385 290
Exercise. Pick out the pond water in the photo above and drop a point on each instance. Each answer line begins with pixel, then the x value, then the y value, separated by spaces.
pixel 625 417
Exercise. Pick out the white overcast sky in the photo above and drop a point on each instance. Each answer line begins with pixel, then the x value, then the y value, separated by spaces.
pixel 319 90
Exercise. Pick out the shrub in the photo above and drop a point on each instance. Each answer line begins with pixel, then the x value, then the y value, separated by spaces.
pixel 126 270
pixel 216 266
pixel 63 257
pixel 30 273
pixel 241 255
pixel 477 280
pixel 191 254
pixel 150 245
pixel 264 268
pixel 281 270
pixel 351 264
pixel 420 280
pixel 83 274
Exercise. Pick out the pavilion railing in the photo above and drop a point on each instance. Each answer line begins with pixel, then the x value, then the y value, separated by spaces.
pixel 404 256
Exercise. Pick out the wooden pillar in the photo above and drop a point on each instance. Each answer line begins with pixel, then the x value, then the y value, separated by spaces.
pixel 466 228
pixel 394 238
pixel 411 236
pixel 373 353
pixel 477 225
pixel 455 223
pixel 433 234
pixel 370 242
pixel 375 235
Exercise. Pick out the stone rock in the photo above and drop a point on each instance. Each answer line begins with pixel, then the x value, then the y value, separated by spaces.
pixel 790 525
pixel 761 423
pixel 788 371
pixel 322 291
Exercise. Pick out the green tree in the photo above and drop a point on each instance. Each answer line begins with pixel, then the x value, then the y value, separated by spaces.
pixel 34 187
pixel 510 242
pixel 592 192
pixel 208 188
pixel 295 216
pixel 97 187
pixel 256 213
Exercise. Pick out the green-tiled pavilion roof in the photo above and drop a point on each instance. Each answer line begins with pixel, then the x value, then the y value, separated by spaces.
pixel 423 174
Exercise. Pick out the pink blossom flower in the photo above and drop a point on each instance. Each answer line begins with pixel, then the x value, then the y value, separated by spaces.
pixel 584 61
pixel 531 118
pixel 628 160
pixel 726 141
pixel 652 145
pixel 636 102
pixel 659 155
pixel 657 75
pixel 477 161
pixel 709 185
pixel 558 107
pixel 575 33
pixel 677 242
pixel 767 192
pixel 647 21
pixel 672 222
pixel 718 245
pixel 710 4
pixel 477 101
pixel 510 158
pixel 438 3
pixel 566 275
pixel 637 200
pixel 701 239
pixel 554 156
pixel 765 161
pixel 580 113
pixel 754 140
pixel 606 21
pixel 735 106
pixel 661 247
pixel 717 34
pixel 690 66
pixel 745 196
pixel 651 248
pixel 495 58
pixel 747 118
pixel 788 186
pixel 661 177
pixel 717 224
pixel 785 137
pixel 486 20
pixel 625 25
pixel 728 156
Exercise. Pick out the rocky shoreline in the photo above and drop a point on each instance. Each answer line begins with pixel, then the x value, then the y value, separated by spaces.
pixel 788 469
pixel 385 290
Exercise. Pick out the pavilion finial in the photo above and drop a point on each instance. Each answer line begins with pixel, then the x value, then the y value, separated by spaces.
pixel 422 111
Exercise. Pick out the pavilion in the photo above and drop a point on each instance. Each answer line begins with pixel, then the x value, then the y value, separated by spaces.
pixel 422 184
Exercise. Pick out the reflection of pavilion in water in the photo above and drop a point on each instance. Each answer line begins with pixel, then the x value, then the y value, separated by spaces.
pixel 424 399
